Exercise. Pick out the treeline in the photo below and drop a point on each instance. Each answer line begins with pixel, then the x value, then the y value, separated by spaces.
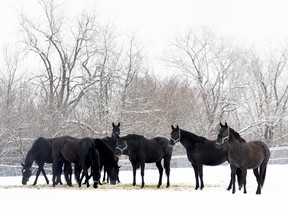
pixel 77 76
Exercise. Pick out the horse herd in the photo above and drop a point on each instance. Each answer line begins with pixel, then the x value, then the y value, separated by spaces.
pixel 97 154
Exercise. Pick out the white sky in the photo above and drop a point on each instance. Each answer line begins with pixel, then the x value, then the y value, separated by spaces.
pixel 156 22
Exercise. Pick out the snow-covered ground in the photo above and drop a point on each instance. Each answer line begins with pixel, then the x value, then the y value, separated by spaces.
pixel 123 199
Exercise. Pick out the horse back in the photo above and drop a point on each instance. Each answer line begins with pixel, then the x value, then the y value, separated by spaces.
pixel 74 150
pixel 156 148
pixel 42 149
pixel 258 153
pixel 207 152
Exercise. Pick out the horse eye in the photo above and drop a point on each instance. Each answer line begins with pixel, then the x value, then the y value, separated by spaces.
pixel 23 170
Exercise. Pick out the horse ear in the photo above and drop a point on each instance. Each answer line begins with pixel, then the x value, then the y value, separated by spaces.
pixel 172 127
pixel 113 125
pixel 221 124
pixel 22 164
pixel 226 124
pixel 177 127
pixel 119 124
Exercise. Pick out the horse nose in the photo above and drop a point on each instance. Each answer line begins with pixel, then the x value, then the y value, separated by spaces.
pixel 118 152
pixel 112 182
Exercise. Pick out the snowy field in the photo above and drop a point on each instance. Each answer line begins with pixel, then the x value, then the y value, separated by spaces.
pixel 123 199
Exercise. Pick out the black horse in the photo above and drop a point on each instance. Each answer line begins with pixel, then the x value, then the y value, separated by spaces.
pixel 41 153
pixel 115 130
pixel 78 151
pixel 108 159
pixel 245 155
pixel 201 151
pixel 142 150
pixel 111 141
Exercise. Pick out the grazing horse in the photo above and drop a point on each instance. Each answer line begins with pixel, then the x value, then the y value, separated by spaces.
pixel 41 153
pixel 107 159
pixel 201 151
pixel 142 150
pixel 245 155
pixel 78 151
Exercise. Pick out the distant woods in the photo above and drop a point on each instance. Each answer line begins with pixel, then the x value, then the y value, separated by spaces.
pixel 75 76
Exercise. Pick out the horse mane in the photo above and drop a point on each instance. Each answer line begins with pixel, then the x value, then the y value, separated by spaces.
pixel 236 135
pixel 29 158
pixel 192 136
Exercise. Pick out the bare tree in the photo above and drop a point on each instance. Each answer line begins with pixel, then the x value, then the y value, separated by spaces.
pixel 60 47
pixel 16 109
pixel 207 61
pixel 270 96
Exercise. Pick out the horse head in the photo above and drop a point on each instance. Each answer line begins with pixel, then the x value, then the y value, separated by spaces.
pixel 223 134
pixel 175 135
pixel 113 173
pixel 115 130
pixel 26 173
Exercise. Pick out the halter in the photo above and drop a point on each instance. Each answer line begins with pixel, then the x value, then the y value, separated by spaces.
pixel 123 149
pixel 178 139
pixel 116 133
pixel 226 138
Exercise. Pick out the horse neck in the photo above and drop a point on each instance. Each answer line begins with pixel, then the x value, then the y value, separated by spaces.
pixel 29 159
pixel 185 138
pixel 234 143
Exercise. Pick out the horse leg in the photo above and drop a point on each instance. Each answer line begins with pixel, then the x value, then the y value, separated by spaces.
pixel 142 173
pixel 55 172
pixel 77 171
pixel 196 176
pixel 167 169
pixel 104 174
pixel 233 175
pixel 160 169
pixel 37 175
pixel 200 168
pixel 68 173
pixel 239 178
pixel 44 174
pixel 56 157
pixel 85 170
pixel 230 184
pixel 244 171
pixel 134 166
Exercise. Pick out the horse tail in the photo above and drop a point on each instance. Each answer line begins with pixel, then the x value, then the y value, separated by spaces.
pixel 263 177
pixel 264 165
pixel 239 178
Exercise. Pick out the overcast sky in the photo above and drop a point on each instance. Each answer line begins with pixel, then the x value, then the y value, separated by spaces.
pixel 156 22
